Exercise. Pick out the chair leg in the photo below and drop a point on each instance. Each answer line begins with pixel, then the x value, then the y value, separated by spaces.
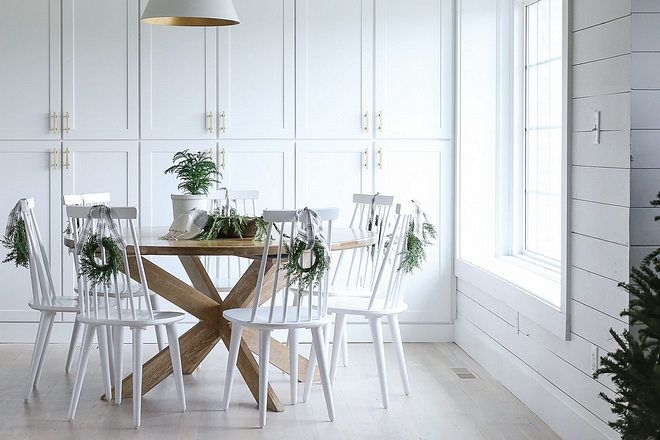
pixel 337 341
pixel 42 357
pixel 344 346
pixel 104 349
pixel 175 354
pixel 118 360
pixel 137 375
pixel 159 329
pixel 377 335
pixel 309 377
pixel 85 349
pixel 293 343
pixel 234 345
pixel 75 334
pixel 264 362
pixel 38 352
pixel 393 321
pixel 319 348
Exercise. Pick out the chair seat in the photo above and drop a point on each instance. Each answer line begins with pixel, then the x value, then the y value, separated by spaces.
pixel 243 316
pixel 60 304
pixel 360 306
pixel 142 319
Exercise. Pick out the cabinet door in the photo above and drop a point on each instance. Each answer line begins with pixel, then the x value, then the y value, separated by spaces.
pixel 178 82
pixel 266 166
pixel 27 170
pixel 98 166
pixel 328 173
pixel 100 69
pixel 422 170
pixel 334 69
pixel 255 76
pixel 413 68
pixel 30 69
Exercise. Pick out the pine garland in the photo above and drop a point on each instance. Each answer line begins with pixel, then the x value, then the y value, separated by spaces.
pixel 97 273
pixel 16 242
pixel 306 276
pixel 635 365
pixel 414 255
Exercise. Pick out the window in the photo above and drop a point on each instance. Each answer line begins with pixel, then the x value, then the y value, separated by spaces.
pixel 541 232
pixel 512 157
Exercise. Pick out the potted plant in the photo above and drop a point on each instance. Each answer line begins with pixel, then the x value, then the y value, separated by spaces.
pixel 221 225
pixel 197 173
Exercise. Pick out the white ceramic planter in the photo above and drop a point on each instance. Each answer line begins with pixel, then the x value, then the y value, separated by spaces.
pixel 185 202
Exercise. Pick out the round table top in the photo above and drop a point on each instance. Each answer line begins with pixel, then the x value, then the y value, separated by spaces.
pixel 151 244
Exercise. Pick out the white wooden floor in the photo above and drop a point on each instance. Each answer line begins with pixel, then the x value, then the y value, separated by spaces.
pixel 441 405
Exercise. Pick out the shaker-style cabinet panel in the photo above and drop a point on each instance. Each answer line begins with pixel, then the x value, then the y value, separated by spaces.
pixel 178 82
pixel 70 70
pixel 99 69
pixel 334 69
pixel 256 72
pixel 413 69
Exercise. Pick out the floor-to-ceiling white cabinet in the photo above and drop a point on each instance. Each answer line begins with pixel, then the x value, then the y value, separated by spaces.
pixel 305 101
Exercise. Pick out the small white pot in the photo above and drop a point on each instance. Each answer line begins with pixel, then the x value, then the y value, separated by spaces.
pixel 185 202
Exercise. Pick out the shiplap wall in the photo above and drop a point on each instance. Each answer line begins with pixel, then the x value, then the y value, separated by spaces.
pixel 611 222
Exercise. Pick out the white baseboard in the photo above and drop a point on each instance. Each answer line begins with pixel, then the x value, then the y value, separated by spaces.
pixel 562 414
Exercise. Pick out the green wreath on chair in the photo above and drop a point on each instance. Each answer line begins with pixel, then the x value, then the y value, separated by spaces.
pixel 100 273
pixel 16 242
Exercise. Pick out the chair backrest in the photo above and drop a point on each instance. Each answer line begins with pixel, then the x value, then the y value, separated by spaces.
pixel 43 289
pixel 283 228
pixel 97 298
pixel 390 284
pixel 244 202
pixel 356 267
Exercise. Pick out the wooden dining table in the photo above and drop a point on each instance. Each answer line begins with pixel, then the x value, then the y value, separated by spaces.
pixel 201 300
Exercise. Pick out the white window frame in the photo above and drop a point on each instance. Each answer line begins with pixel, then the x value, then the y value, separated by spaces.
pixel 522 283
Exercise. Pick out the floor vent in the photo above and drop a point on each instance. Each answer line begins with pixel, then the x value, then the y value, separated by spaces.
pixel 464 373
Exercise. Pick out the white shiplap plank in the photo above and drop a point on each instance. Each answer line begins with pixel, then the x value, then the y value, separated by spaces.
pixel 614 112
pixel 600 257
pixel 608 40
pixel 645 32
pixel 594 326
pixel 598 292
pixel 613 151
pixel 644 230
pixel 588 13
pixel 644 186
pixel 645 148
pixel 645 68
pixel 614 224
pixel 603 77
pixel 602 185
pixel 644 109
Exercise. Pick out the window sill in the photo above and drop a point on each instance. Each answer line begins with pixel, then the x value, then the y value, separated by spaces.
pixel 535 294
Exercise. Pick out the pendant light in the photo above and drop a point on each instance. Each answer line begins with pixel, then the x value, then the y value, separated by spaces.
pixel 190 13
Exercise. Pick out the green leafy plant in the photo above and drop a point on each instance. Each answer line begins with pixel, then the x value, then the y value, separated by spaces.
pixel 295 265
pixel 196 171
pixel 414 255
pixel 220 225
pixel 100 273
pixel 16 242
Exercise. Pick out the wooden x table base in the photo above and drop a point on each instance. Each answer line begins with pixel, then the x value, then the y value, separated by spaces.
pixel 204 302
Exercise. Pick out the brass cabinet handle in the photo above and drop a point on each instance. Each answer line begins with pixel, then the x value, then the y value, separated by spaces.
pixel 54 158
pixel 366 158
pixel 55 122
pixel 67 116
pixel 222 165
pixel 211 153
pixel 380 158
pixel 366 121
pixel 211 123
pixel 380 121
pixel 224 127
pixel 67 164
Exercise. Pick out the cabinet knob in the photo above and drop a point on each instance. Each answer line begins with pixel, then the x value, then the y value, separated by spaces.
pixel 224 127
pixel 66 155
pixel 366 158
pixel 55 122
pixel 222 153
pixel 380 121
pixel 54 158
pixel 67 116
pixel 366 121
pixel 380 158
pixel 210 122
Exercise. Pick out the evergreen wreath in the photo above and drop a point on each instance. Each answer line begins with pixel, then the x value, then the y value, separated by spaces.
pixel 306 276
pixel 16 242
pixel 415 252
pixel 100 273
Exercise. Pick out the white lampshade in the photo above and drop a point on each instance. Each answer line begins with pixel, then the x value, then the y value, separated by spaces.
pixel 190 13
